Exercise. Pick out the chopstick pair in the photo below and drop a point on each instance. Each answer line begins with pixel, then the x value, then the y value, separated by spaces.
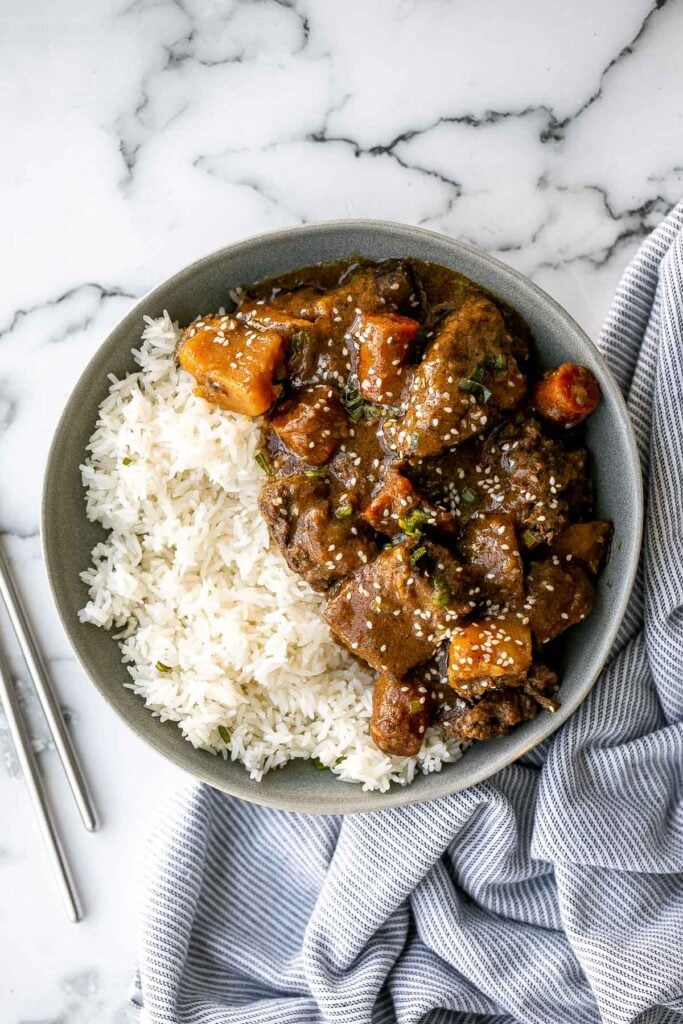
pixel 62 741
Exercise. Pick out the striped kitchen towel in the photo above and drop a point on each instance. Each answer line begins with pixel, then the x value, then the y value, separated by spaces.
pixel 550 894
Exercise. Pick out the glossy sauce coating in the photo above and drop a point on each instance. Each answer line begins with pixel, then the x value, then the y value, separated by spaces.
pixel 422 476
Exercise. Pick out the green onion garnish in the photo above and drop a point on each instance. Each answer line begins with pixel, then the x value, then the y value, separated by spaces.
pixel 477 374
pixel 127 461
pixel 223 733
pixel 160 667
pixel 417 555
pixel 343 511
pixel 264 462
pixel 315 474
pixel 467 496
pixel 529 539
pixel 413 522
pixel 441 595
pixel 353 400
pixel 495 361
pixel 372 411
pixel 476 388
pixel 416 706
pixel 317 763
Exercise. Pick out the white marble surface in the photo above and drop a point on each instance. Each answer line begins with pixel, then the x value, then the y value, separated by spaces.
pixel 139 135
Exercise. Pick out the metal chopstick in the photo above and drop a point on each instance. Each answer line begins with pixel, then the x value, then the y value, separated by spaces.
pixel 46 695
pixel 41 808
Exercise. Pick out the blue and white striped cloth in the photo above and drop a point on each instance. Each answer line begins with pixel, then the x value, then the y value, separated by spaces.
pixel 551 894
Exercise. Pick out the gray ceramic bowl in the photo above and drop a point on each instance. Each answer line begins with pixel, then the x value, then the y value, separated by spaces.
pixel 68 537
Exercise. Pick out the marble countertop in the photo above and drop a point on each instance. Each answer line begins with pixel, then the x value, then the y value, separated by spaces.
pixel 140 135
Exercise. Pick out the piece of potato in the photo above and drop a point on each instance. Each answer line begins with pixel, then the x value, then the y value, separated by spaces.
pixel 584 542
pixel 567 394
pixel 235 366
pixel 488 648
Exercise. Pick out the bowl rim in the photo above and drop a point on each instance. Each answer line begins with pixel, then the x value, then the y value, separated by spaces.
pixel 351 798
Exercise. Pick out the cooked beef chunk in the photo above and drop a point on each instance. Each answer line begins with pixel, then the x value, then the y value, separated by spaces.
pixel 358 464
pixel 467 370
pixel 490 717
pixel 312 424
pixel 401 712
pixel 286 312
pixel 540 683
pixel 490 544
pixel 559 595
pixel 530 477
pixel 394 611
pixel 315 543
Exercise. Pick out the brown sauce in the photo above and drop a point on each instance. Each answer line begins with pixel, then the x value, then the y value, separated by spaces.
pixel 421 475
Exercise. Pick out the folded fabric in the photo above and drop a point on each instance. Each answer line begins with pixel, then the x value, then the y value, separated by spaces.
pixel 550 894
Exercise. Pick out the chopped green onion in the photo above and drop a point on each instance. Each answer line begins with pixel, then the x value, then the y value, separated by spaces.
pixel 353 400
pixel 340 760
pixel 160 667
pixel 373 411
pixel 416 706
pixel 477 374
pixel 315 474
pixel 223 733
pixel 495 361
pixel 441 595
pixel 417 555
pixel 475 387
pixel 317 764
pixel 264 462
pixel 413 522
pixel 529 539
pixel 343 511
pixel 127 461
pixel 467 496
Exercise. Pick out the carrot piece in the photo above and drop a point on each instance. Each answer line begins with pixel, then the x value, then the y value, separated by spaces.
pixel 385 345
pixel 395 500
pixel 567 394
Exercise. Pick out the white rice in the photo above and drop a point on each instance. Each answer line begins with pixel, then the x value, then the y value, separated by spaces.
pixel 191 582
